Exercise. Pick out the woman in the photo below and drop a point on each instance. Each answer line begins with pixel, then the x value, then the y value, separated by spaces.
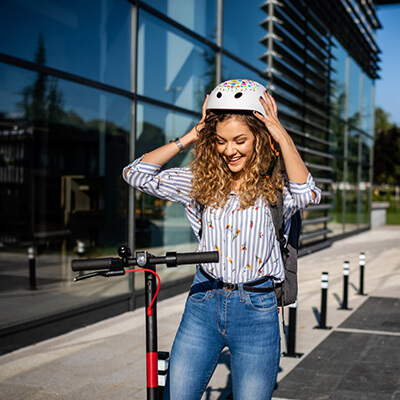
pixel 226 192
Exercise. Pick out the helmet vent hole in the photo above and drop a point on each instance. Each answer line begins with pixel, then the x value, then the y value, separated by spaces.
pixel 238 95
pixel 219 95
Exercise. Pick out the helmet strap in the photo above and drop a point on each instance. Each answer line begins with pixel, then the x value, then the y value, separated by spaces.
pixel 274 158
pixel 271 168
pixel 272 142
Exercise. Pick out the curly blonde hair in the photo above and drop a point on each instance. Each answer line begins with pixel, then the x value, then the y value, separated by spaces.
pixel 213 180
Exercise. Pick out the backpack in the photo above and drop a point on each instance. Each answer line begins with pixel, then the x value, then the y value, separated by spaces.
pixel 286 291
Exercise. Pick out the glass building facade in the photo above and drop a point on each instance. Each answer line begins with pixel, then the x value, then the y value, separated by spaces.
pixel 85 87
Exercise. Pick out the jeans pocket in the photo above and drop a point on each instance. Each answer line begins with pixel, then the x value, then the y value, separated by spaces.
pixel 261 302
pixel 199 296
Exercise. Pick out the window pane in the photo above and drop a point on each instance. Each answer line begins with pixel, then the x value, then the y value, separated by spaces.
pixel 155 127
pixel 198 16
pixel 351 197
pixel 365 191
pixel 338 76
pixel 64 146
pixel 80 37
pixel 337 190
pixel 353 140
pixel 354 93
pixel 233 70
pixel 242 31
pixel 79 131
pixel 172 67
pixel 338 128
pixel 366 150
pixel 161 225
pixel 367 110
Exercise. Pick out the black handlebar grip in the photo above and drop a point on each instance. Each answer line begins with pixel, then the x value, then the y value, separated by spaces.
pixel 91 264
pixel 197 258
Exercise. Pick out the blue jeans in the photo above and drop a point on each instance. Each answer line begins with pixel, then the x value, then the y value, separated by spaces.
pixel 214 318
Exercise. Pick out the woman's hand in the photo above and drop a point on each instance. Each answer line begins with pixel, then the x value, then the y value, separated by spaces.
pixel 193 135
pixel 165 153
pixel 295 167
pixel 271 121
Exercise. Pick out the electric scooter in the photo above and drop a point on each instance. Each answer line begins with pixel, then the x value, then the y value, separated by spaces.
pixel 117 266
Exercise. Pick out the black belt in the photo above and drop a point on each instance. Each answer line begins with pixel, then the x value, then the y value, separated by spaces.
pixel 246 286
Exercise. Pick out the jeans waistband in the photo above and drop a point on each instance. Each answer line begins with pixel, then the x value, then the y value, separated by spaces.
pixel 246 286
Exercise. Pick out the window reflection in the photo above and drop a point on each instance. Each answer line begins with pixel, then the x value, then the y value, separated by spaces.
pixel 87 38
pixel 62 149
pixel 161 223
pixel 172 67
pixel 365 191
pixel 351 196
pixel 366 152
pixel 198 16
pixel 354 106
pixel 367 106
pixel 338 191
pixel 68 139
pixel 338 76
pixel 234 70
pixel 353 143
pixel 243 31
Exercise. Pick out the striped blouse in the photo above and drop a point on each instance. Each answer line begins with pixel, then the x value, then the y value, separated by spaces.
pixel 245 239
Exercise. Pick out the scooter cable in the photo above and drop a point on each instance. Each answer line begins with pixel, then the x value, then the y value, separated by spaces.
pixel 150 307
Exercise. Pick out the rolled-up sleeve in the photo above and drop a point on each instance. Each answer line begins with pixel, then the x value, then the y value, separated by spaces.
pixel 300 195
pixel 171 184
pixel 174 184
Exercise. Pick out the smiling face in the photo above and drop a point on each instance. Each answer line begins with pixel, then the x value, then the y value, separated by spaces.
pixel 235 143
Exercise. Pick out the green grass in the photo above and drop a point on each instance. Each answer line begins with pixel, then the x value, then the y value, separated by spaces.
pixel 393 214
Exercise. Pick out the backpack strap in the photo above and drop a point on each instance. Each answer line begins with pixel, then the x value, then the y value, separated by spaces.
pixel 277 218
pixel 201 228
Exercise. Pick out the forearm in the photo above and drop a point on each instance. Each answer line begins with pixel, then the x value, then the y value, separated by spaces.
pixel 165 153
pixel 295 168
pixel 294 164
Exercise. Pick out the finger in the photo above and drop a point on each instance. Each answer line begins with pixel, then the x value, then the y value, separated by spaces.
pixel 267 104
pixel 273 103
pixel 205 106
pixel 258 115
pixel 270 101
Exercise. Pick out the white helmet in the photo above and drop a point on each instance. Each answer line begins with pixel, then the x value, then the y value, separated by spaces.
pixel 237 94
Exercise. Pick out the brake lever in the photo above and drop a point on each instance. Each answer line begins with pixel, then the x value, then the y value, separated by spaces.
pixel 106 274
pixel 90 275
pixel 116 269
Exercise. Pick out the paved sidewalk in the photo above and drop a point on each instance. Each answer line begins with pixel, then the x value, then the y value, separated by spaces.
pixel 107 360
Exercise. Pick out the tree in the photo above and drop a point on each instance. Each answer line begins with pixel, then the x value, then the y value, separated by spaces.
pixel 382 123
pixel 386 150
pixel 42 100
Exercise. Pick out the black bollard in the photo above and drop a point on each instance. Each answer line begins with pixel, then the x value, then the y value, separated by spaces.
pixel 346 273
pixel 80 249
pixel 291 333
pixel 361 260
pixel 32 268
pixel 324 301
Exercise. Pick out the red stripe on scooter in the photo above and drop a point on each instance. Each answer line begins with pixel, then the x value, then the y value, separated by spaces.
pixel 152 369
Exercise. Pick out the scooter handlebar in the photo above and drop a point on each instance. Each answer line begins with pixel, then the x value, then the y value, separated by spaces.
pixel 91 264
pixel 197 258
